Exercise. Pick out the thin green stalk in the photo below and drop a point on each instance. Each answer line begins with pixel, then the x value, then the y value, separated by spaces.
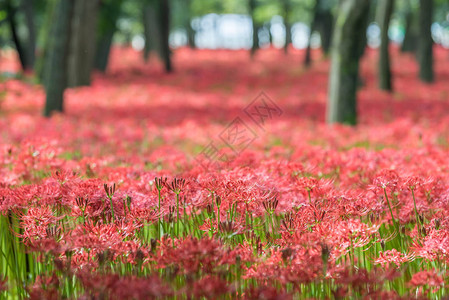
pixel 418 221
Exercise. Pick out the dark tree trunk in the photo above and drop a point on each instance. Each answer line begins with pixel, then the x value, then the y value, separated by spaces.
pixel 325 27
pixel 45 36
pixel 308 56
pixel 288 27
pixel 409 43
pixel 425 42
pixel 190 36
pixel 385 11
pixel 56 62
pixel 148 17
pixel 29 20
pixel 164 14
pixel 152 31
pixel 188 24
pixel 11 11
pixel 103 50
pixel 108 16
pixel 288 36
pixel 255 31
pixel 268 29
pixel 343 76
pixel 82 42
pixel 362 38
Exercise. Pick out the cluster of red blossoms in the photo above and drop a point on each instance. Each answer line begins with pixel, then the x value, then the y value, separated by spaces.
pixel 109 201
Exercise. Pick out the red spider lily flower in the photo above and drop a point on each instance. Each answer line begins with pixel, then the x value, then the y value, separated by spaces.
pixel 193 255
pixel 45 287
pixel 266 292
pixel 210 287
pixel 36 222
pixel 426 278
pixel 386 179
pixel 364 281
pixel 393 256
pixel 177 185
pixel 112 286
pixel 412 182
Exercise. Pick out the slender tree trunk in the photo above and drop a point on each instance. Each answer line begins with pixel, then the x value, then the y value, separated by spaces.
pixel 103 50
pixel 255 46
pixel 108 16
pixel 82 42
pixel 344 71
pixel 425 43
pixel 268 29
pixel 29 20
pixel 11 11
pixel 164 14
pixel 410 35
pixel 188 24
pixel 384 73
pixel 362 39
pixel 148 15
pixel 325 27
pixel 288 27
pixel 288 36
pixel 308 57
pixel 44 39
pixel 56 62
pixel 152 31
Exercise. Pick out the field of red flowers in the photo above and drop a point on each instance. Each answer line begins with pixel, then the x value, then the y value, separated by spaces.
pixel 143 189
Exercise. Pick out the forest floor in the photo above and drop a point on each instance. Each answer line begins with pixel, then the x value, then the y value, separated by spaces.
pixel 255 196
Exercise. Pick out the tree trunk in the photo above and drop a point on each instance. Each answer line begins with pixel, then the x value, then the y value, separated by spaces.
pixel 29 20
pixel 164 13
pixel 288 27
pixel 11 11
pixel 103 50
pixel 425 42
pixel 188 23
pixel 56 62
pixel 44 39
pixel 152 31
pixel 362 38
pixel 148 17
pixel 410 35
pixel 325 26
pixel 108 16
pixel 343 76
pixel 255 46
pixel 82 42
pixel 385 11
pixel 308 57
pixel 267 26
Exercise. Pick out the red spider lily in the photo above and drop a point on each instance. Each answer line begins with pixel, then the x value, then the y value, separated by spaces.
pixel 267 292
pixel 301 266
pixel 45 287
pixel 210 287
pixel 393 256
pixel 193 255
pixel 36 223
pixel 363 281
pixel 113 286
pixel 426 278
pixel 177 185
pixel 387 180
